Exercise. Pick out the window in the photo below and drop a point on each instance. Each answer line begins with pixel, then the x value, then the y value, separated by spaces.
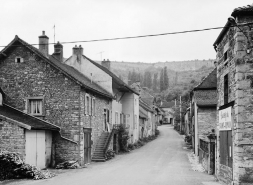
pixel 121 118
pixel 87 105
pixel 225 55
pixel 35 106
pixel 226 148
pixel 226 89
pixel 116 117
pixel 19 60
pixel 93 106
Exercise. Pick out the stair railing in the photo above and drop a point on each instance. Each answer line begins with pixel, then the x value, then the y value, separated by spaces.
pixel 114 130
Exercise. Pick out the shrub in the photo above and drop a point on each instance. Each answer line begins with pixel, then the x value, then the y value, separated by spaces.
pixel 123 137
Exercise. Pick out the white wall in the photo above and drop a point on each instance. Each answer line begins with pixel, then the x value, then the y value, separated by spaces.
pixel 130 105
pixel 86 68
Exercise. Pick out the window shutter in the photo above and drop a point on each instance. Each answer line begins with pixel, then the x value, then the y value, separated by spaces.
pixel 85 111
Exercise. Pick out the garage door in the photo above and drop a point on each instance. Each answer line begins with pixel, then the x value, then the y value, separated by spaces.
pixel 35 148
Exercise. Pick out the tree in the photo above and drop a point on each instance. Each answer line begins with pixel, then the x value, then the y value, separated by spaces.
pixel 147 79
pixel 161 81
pixel 129 78
pixel 165 78
pixel 155 82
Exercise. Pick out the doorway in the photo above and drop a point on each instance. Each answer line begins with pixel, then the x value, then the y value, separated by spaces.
pixel 87 145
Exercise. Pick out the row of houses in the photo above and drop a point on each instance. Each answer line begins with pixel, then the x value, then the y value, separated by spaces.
pixel 54 109
pixel 219 120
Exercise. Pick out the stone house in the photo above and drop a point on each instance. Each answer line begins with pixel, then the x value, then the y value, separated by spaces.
pixel 125 105
pixel 146 118
pixel 234 162
pixel 26 134
pixel 187 123
pixel 149 101
pixel 203 119
pixel 203 104
pixel 168 112
pixel 40 85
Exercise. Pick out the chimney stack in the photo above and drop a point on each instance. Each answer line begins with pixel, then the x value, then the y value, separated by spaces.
pixel 58 51
pixel 106 63
pixel 43 44
pixel 78 51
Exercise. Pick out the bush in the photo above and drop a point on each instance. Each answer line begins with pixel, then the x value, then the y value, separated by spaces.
pixel 110 154
pixel 123 138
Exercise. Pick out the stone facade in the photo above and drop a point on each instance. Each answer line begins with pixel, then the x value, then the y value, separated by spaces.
pixel 206 120
pixel 238 66
pixel 63 100
pixel 12 137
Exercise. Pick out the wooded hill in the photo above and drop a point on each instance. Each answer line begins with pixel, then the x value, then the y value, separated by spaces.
pixel 182 76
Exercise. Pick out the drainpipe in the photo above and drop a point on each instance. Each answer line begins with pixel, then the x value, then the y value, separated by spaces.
pixel 79 117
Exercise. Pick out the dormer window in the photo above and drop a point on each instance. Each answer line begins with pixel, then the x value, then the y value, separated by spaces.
pixel 19 60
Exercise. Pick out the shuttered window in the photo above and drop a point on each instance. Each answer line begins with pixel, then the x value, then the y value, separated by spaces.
pixel 226 89
pixel 226 148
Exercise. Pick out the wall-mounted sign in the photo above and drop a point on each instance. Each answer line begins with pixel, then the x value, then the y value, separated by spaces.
pixel 225 119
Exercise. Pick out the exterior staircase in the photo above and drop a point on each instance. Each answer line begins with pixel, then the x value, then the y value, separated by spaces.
pixel 99 153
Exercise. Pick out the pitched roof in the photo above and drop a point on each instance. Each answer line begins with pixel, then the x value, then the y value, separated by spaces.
pixel 245 10
pixel 114 77
pixel 67 70
pixel 145 106
pixel 25 120
pixel 209 82
pixel 142 114
pixel 205 97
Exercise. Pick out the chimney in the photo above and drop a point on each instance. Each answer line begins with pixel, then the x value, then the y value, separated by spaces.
pixel 106 63
pixel 58 51
pixel 78 51
pixel 215 63
pixel 43 44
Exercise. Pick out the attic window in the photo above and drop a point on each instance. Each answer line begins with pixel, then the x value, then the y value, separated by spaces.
pixel 19 60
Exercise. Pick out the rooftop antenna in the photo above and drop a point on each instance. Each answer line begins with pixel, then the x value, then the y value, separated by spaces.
pixel 101 52
pixel 54 33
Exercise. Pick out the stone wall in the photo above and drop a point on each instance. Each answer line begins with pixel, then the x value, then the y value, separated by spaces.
pixel 63 99
pixel 12 137
pixel 240 71
pixel 206 120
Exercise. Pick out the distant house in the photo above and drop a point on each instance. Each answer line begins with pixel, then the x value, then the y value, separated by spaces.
pixel 125 105
pixel 149 100
pixel 40 85
pixel 187 123
pixel 168 115
pixel 203 104
pixel 146 119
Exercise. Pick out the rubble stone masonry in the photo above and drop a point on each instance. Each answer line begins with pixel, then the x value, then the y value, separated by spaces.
pixel 63 100
pixel 12 138
pixel 239 67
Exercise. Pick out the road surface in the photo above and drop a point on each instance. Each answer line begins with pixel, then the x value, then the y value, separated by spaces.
pixel 163 161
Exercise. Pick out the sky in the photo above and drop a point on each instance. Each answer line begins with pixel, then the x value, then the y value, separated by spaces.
pixel 81 20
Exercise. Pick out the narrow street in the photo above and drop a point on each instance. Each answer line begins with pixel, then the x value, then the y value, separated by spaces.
pixel 162 161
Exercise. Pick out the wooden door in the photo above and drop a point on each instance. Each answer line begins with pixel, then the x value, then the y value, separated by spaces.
pixel 87 145
pixel 35 148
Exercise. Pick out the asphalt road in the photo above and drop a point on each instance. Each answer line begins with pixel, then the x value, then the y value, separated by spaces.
pixel 163 161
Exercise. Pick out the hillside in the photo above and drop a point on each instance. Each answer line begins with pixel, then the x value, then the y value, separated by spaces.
pixel 183 76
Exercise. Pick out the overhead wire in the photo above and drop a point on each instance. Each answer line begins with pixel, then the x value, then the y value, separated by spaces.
pixel 140 36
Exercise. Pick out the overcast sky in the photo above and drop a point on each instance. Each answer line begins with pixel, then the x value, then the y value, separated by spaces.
pixel 79 20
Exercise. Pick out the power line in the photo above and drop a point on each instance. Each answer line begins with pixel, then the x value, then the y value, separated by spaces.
pixel 141 36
